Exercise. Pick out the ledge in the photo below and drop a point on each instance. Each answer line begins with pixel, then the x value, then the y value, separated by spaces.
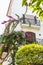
pixel 27 27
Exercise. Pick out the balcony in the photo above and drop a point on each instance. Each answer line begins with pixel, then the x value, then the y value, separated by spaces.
pixel 30 23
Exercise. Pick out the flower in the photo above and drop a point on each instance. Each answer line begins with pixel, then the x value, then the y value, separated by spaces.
pixel 10 16
pixel 1 58
pixel 4 22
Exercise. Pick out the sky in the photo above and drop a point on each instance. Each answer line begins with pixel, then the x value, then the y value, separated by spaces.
pixel 16 9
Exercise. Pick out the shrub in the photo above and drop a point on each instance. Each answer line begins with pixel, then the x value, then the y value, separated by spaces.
pixel 0 63
pixel 31 54
pixel 0 51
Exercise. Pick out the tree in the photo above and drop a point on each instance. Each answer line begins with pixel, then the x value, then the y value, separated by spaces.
pixel 36 5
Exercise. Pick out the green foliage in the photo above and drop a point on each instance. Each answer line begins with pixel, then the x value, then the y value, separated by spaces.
pixel 13 37
pixel 24 2
pixel 0 63
pixel 0 51
pixel 37 6
pixel 29 54
pixel 10 23
pixel 11 42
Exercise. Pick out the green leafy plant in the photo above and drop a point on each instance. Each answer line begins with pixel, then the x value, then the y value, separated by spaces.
pixel 24 2
pixel 0 63
pixel 0 51
pixel 8 36
pixel 36 5
pixel 11 43
pixel 31 54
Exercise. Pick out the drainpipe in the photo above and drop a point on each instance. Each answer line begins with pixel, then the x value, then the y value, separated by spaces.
pixel 23 18
pixel 35 19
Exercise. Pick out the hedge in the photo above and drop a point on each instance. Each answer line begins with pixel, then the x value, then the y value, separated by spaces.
pixel 31 54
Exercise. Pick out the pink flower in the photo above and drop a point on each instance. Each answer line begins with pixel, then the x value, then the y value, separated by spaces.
pixel 10 16
pixel 4 22
pixel 1 58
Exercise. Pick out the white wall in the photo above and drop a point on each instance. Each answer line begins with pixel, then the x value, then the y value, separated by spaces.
pixel 3 10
